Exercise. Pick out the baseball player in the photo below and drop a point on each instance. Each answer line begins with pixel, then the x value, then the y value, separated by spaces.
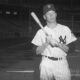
pixel 53 47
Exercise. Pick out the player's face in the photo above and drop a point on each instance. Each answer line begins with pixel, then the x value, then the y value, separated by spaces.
pixel 50 16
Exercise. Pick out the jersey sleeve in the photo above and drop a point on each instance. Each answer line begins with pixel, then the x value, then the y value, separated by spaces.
pixel 37 39
pixel 70 36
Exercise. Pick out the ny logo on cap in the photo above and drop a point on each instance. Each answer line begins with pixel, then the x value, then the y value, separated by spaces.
pixel 49 6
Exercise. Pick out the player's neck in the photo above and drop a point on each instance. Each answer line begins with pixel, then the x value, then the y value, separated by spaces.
pixel 52 25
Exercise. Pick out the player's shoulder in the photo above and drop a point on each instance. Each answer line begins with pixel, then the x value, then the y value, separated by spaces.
pixel 65 27
pixel 40 31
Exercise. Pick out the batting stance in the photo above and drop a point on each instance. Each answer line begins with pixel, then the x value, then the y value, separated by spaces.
pixel 53 47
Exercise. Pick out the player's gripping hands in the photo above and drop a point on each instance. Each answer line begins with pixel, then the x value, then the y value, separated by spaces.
pixel 51 41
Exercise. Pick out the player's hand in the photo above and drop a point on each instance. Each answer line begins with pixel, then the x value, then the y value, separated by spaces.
pixel 51 41
pixel 48 38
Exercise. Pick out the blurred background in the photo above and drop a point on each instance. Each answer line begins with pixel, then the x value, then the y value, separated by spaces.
pixel 17 29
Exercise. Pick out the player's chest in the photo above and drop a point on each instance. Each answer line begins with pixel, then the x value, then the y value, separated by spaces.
pixel 58 34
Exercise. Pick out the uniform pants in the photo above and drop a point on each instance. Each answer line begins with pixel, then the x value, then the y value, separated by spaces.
pixel 54 69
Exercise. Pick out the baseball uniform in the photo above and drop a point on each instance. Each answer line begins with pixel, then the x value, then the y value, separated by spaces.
pixel 54 69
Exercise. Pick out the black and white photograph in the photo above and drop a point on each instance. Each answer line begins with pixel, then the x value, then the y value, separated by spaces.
pixel 39 40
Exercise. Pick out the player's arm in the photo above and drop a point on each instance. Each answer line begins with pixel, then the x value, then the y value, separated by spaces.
pixel 70 48
pixel 64 47
pixel 40 49
pixel 55 43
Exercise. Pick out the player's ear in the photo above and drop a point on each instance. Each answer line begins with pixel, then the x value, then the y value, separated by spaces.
pixel 44 17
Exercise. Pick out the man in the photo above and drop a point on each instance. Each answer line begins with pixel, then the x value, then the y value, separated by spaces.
pixel 53 47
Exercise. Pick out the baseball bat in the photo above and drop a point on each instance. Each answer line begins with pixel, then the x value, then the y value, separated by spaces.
pixel 38 21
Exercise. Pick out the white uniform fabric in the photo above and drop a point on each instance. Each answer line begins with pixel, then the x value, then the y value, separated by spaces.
pixel 57 69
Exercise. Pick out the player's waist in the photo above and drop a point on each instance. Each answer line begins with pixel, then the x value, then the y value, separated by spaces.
pixel 54 58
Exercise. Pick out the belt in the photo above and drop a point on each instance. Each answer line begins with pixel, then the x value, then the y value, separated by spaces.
pixel 53 58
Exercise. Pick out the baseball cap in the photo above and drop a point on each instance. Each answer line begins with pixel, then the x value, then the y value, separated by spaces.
pixel 48 7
